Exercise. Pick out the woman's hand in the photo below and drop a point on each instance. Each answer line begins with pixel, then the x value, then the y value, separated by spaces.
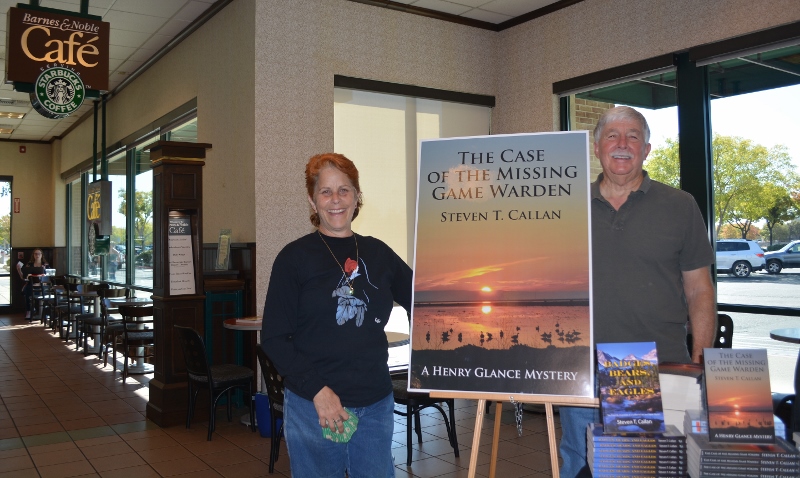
pixel 329 409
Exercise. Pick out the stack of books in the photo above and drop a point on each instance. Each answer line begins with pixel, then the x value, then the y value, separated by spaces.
pixel 635 454
pixel 681 389
pixel 740 460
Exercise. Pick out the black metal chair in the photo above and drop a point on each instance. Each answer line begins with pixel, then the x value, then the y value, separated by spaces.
pixel 274 384
pixel 218 379
pixel 101 321
pixel 724 336
pixel 416 402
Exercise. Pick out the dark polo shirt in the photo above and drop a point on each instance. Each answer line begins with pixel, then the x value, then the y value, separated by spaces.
pixel 638 254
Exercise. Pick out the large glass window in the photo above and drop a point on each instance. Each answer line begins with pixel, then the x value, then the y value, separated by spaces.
pixel 76 219
pixel 141 211
pixel 380 133
pixel 755 180
pixel 5 240
pixel 115 264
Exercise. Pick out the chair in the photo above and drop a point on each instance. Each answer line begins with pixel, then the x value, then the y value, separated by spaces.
pixel 40 291
pixel 136 334
pixel 416 402
pixel 724 337
pixel 218 379
pixel 274 383
pixel 71 304
pixel 87 306
pixel 101 321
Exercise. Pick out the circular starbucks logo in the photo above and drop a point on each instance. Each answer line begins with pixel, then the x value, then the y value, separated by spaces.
pixel 58 92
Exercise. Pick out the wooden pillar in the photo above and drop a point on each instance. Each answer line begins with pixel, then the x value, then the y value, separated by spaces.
pixel 177 192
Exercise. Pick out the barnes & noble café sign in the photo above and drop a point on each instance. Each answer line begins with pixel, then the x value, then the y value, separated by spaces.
pixel 58 57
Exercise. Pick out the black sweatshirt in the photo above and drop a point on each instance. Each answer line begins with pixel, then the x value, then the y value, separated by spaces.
pixel 316 333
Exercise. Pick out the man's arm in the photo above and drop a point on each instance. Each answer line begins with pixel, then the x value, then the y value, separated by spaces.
pixel 699 293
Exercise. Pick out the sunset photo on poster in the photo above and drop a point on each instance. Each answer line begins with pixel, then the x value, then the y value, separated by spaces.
pixel 502 265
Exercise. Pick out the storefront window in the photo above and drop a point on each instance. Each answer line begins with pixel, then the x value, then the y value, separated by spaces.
pixel 115 265
pixel 142 217
pixel 76 219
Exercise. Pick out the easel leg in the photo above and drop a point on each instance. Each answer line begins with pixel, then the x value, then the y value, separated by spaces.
pixel 551 434
pixel 476 438
pixel 498 414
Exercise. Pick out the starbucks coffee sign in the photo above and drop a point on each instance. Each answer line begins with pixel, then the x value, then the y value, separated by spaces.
pixel 58 92
pixel 58 57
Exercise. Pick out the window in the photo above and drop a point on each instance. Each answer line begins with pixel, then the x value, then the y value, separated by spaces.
pixel 380 133
pixel 141 214
pixel 76 220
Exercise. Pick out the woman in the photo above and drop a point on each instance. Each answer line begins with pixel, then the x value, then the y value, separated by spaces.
pixel 330 296
pixel 37 260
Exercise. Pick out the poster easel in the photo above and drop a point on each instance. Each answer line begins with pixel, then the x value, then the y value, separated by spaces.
pixel 547 401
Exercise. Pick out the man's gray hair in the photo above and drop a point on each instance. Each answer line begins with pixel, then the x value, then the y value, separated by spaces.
pixel 621 113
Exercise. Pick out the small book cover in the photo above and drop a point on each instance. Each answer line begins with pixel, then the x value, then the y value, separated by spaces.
pixel 630 394
pixel 738 396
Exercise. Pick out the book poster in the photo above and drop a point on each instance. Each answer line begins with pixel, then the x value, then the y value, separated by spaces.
pixel 738 396
pixel 630 394
pixel 502 266
pixel 181 259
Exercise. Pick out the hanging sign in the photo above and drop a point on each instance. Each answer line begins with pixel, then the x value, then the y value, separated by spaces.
pixel 40 38
pixel 502 271
pixel 58 93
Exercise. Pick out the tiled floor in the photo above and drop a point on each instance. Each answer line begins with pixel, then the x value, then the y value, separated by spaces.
pixel 63 414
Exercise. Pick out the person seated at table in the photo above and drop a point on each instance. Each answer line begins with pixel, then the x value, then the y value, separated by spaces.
pixel 37 261
pixel 329 298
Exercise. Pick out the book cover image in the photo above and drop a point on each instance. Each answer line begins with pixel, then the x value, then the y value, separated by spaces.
pixel 501 268
pixel 630 394
pixel 738 396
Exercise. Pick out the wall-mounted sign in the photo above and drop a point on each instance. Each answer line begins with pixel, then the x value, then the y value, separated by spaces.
pixel 16 205
pixel 58 93
pixel 181 257
pixel 39 38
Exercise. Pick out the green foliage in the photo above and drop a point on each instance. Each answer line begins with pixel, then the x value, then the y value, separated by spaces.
pixel 5 229
pixel 142 214
pixel 751 182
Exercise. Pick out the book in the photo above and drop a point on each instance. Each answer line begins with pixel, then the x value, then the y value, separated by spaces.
pixel 738 396
pixel 696 421
pixel 630 394
pixel 781 450
pixel 596 434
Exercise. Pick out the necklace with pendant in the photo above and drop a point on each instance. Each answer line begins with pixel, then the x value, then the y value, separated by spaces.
pixel 349 283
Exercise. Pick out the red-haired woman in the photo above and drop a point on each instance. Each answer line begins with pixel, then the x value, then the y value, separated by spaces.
pixel 330 296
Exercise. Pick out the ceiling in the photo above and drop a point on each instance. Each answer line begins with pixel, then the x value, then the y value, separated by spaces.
pixel 140 28
pixel 491 11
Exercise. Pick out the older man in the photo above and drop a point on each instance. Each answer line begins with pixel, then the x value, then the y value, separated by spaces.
pixel 650 259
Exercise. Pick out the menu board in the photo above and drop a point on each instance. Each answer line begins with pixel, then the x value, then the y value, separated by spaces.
pixel 181 259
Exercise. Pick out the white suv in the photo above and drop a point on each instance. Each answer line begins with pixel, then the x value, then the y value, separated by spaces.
pixel 739 257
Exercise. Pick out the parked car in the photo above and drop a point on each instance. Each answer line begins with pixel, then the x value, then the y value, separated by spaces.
pixel 739 257
pixel 786 257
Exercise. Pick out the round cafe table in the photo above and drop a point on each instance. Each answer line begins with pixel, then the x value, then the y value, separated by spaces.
pixel 244 324
pixel 139 366
pixel 791 335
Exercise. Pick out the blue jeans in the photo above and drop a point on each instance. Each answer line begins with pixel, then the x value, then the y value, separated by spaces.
pixel 368 454
pixel 573 438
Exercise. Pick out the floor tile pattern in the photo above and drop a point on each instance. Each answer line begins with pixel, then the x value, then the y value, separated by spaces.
pixel 65 415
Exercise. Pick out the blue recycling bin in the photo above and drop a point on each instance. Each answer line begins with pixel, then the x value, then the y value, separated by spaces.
pixel 263 416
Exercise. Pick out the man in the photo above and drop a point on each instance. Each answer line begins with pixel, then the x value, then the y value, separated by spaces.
pixel 650 261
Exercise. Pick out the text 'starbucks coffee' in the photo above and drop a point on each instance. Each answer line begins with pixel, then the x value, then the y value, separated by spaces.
pixel 58 92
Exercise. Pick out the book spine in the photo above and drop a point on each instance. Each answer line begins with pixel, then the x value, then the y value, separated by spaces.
pixel 747 469
pixel 748 454
pixel 706 460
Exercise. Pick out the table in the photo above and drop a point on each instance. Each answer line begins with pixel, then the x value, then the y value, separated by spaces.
pixel 791 335
pixel 139 366
pixel 244 324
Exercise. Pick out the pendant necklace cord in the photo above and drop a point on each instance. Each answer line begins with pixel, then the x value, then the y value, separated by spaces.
pixel 350 284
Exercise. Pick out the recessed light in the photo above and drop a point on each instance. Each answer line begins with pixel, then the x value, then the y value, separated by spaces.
pixel 6 130
pixel 7 114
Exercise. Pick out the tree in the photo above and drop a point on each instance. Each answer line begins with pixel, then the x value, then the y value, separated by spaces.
pixel 780 207
pixel 742 170
pixel 5 230
pixel 142 213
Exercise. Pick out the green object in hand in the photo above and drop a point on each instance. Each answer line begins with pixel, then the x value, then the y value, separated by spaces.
pixel 349 425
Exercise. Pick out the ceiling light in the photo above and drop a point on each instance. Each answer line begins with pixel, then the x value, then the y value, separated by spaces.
pixel 8 114
pixel 6 130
